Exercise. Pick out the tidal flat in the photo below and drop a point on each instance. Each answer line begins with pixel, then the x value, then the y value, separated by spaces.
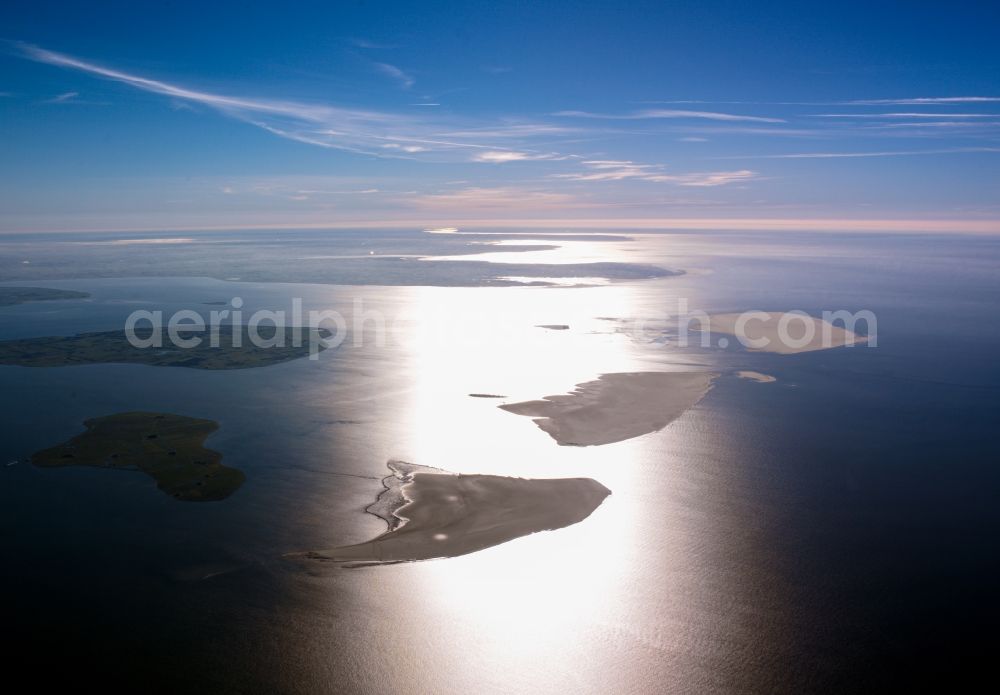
pixel 762 332
pixel 433 513
pixel 616 407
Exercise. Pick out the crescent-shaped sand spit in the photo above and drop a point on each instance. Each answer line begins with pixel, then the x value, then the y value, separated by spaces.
pixel 433 513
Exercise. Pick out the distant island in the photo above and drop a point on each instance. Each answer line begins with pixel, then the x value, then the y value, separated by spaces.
pixel 9 296
pixel 433 513
pixel 758 377
pixel 168 448
pixel 111 347
pixel 761 332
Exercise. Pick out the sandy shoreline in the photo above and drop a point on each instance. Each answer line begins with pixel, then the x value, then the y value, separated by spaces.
pixel 434 514
pixel 761 332
pixel 616 407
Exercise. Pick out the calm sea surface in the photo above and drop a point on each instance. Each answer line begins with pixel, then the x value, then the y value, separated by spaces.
pixel 834 530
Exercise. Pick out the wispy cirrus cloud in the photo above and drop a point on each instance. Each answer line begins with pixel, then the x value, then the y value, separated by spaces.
pixel 504 156
pixel 409 149
pixel 507 131
pixel 648 114
pixel 614 170
pixel 885 153
pixel 427 135
pixel 500 157
pixel 924 100
pixel 404 79
pixel 940 125
pixel 914 101
pixel 622 170
pixel 63 98
pixel 221 102
pixel 762 131
pixel 369 44
pixel 377 133
pixel 716 178
pixel 905 115
pixel 370 132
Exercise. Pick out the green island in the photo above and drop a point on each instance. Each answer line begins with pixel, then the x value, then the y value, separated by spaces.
pixel 9 296
pixel 168 448
pixel 110 347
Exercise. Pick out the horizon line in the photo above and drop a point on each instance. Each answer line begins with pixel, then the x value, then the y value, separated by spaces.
pixel 763 224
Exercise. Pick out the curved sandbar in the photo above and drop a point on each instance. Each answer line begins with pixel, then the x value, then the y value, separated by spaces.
pixel 760 331
pixel 759 377
pixel 616 407
pixel 166 447
pixel 433 514
pixel 113 347
pixel 9 296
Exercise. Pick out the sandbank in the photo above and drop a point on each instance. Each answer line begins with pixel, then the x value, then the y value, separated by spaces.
pixel 616 407
pixel 434 514
pixel 759 377
pixel 761 332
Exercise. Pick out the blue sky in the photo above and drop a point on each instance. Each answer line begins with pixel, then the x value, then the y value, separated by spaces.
pixel 184 115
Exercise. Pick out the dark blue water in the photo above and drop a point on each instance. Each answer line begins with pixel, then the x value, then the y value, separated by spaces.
pixel 833 531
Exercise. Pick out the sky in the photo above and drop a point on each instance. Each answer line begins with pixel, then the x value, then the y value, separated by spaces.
pixel 701 114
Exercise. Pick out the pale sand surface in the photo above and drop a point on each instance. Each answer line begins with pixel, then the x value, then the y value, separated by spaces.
pixel 764 327
pixel 433 514
pixel 759 377
pixel 616 407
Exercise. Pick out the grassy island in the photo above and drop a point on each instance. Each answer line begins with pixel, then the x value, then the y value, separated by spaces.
pixel 168 448
pixel 9 296
pixel 113 347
